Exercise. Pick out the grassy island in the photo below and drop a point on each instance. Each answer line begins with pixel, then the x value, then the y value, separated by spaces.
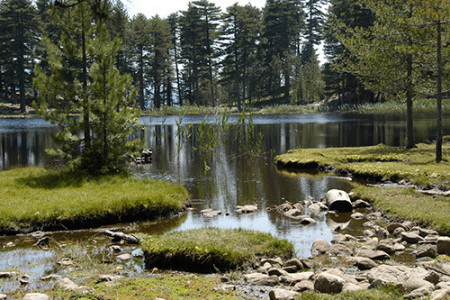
pixel 36 199
pixel 212 249
pixel 383 163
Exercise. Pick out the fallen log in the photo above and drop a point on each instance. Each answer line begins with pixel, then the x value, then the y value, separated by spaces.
pixel 130 238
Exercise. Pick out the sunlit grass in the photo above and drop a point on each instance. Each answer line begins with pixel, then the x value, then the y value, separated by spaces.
pixel 33 198
pixel 211 249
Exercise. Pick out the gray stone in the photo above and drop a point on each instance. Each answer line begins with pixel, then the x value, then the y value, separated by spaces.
pixel 339 249
pixel 443 245
pixel 316 208
pixel 125 256
pixel 308 263
pixel 374 215
pixel 293 213
pixel 393 226
pixel 418 293
pixel 290 269
pixel 272 261
pixel 443 285
pixel 368 233
pixel 3 296
pixel 277 272
pixel 373 254
pixel 304 285
pixel 210 213
pixel 396 275
pixel 361 204
pixel 264 268
pixel 107 278
pixel 389 249
pixel 35 296
pixel 415 283
pixel 307 221
pixel 282 294
pixel 381 232
pixel 411 237
pixel 67 284
pixel 246 209
pixel 398 231
pixel 8 274
pixel 328 283
pixel 261 279
pixel 423 232
pixel 51 277
pixel 407 225
pixel 426 250
pixel 364 263
pixel 433 277
pixel 430 239
pixel 399 247
pixel 443 294
pixel 297 277
pixel 294 262
pixel 351 287
pixel 320 247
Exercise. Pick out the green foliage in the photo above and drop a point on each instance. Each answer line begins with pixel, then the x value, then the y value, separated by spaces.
pixel 212 249
pixel 83 78
pixel 37 199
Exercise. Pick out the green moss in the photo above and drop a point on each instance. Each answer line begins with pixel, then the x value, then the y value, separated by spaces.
pixel 211 249
pixel 376 163
pixel 35 198
pixel 409 204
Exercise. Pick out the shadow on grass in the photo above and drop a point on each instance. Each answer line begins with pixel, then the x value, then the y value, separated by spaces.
pixel 53 180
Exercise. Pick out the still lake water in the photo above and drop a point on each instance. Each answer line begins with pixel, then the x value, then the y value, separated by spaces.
pixel 229 176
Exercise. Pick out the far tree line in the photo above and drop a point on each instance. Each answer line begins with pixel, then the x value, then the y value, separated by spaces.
pixel 201 55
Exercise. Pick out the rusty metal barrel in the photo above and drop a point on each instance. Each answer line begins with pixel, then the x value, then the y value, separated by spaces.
pixel 338 200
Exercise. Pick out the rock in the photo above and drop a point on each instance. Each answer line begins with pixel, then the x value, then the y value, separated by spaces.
pixel 125 256
pixel 396 275
pixel 351 287
pixel 137 253
pixel 320 247
pixel 363 263
pixel 398 231
pixel 294 262
pixel 423 232
pixel 115 248
pixel 361 204
pixel 10 244
pixel 297 277
pixel 210 213
pixel 23 280
pixel 443 294
pixel 393 226
pixel 261 279
pixel 341 274
pixel 246 209
pixel 374 215
pixel 8 274
pixel 294 213
pixel 443 245
pixel 368 233
pixel 373 254
pixel 308 263
pixel 277 272
pixel 407 225
pixel 3 296
pixel 307 221
pixel 338 200
pixel 65 263
pixel 304 285
pixel 433 277
pixel 290 269
pixel 272 261
pixel 418 293
pixel 328 283
pixel 411 237
pixel 43 242
pixel 107 278
pixel 282 294
pixel 399 247
pixel 389 249
pixel 285 206
pixel 51 277
pixel 264 268
pixel 35 296
pixel 381 232
pixel 357 216
pixel 414 283
pixel 341 250
pixel 426 250
pixel 430 239
pixel 316 208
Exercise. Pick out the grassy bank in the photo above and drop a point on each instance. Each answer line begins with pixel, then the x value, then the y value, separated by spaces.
pixel 212 249
pixel 33 198
pixel 382 163
pixel 378 163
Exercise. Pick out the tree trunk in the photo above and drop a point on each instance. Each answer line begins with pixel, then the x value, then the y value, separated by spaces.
pixel 409 104
pixel 439 95
pixel 21 66
pixel 86 124
pixel 141 79
pixel 208 49
pixel 180 100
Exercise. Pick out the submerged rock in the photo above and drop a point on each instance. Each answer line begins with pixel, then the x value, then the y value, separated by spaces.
pixel 246 209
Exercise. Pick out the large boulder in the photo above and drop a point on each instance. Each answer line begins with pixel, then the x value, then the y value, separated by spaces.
pixel 297 277
pixel 328 283
pixel 373 254
pixel 411 237
pixel 426 250
pixel 397 275
pixel 261 279
pixel 282 294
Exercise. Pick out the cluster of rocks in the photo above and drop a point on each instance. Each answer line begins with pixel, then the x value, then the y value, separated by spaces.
pixel 245 209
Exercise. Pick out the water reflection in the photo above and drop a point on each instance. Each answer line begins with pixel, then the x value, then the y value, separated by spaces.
pixel 228 176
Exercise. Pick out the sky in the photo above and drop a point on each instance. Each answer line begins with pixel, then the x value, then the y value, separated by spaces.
pixel 165 7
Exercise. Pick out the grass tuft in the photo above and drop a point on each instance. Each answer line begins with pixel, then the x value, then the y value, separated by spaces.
pixel 211 249
pixel 33 198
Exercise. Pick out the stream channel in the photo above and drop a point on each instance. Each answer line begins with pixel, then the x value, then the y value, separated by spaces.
pixel 229 175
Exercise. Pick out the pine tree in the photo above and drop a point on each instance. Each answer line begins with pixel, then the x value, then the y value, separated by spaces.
pixel 18 36
pixel 313 28
pixel 83 78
